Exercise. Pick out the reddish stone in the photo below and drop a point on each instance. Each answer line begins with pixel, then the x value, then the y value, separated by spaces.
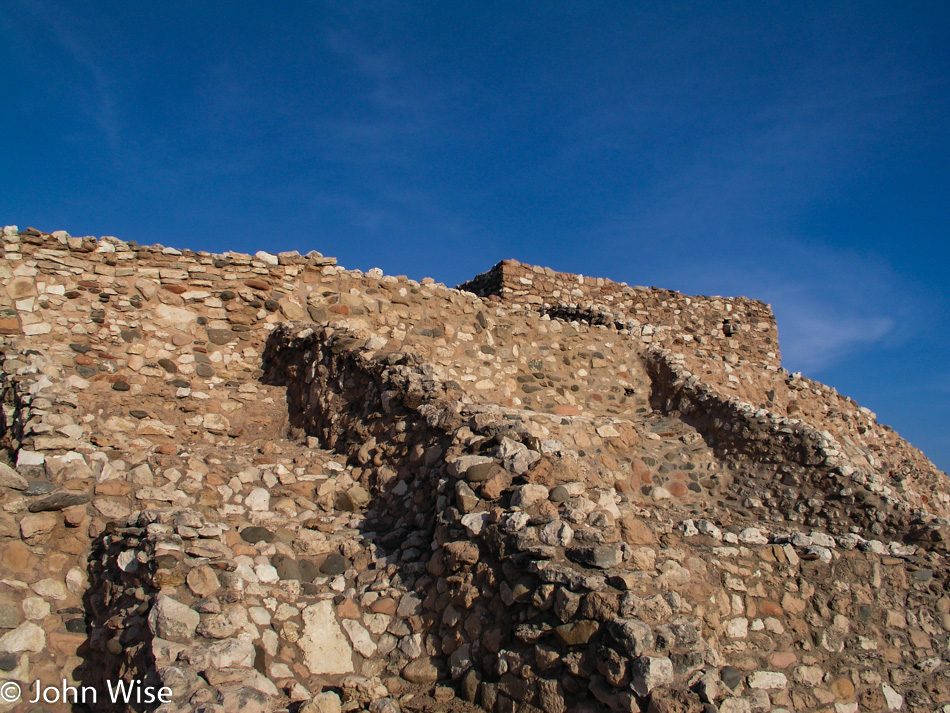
pixel 16 558
pixel 113 487
pixel 541 473
pixel 63 643
pixel 770 608
pixel 635 531
pixel 493 488
pixel 339 309
pixel 83 360
pixel 348 610
pixel 256 284
pixel 677 489
pixel 843 689
pixel 567 411
pixel 782 659
pixel 175 289
pixel 383 606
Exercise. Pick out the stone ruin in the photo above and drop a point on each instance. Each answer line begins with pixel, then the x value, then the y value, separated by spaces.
pixel 269 483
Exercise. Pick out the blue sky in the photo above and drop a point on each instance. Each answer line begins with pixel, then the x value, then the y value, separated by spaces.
pixel 795 152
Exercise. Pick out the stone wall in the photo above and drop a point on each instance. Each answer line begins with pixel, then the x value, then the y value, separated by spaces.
pixel 216 464
pixel 708 326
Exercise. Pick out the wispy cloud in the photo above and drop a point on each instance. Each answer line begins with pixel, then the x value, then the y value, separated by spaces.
pixel 830 304
pixel 725 220
pixel 99 98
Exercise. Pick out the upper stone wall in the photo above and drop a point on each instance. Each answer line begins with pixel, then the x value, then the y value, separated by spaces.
pixel 728 327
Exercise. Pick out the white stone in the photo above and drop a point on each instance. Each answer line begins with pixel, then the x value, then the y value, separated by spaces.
pixel 26 637
pixel 266 573
pixel 809 675
pixel 767 680
pixel 736 705
pixel 462 464
pixel 35 608
pixel 525 496
pixel 362 641
pixel 556 533
pixel 168 316
pixel 325 648
pixel 33 330
pixel 170 619
pixel 26 458
pixel 822 540
pixel 737 628
pixel 473 522
pixel 266 257
pixel 411 646
pixel 231 653
pixel 705 527
pixel 216 423
pixel 893 699
pixel 377 623
pixel 50 589
pixel 753 536
pixel 258 500
pixel 326 702
pixel 260 616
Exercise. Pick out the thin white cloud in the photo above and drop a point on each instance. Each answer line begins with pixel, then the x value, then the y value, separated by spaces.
pixel 815 336
pixel 99 98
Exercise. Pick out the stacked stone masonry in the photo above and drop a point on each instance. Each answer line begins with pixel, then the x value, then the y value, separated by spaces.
pixel 273 484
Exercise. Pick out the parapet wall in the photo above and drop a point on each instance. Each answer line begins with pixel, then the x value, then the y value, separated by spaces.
pixel 728 327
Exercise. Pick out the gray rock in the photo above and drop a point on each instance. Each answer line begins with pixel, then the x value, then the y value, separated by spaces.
pixel 287 567
pixel 480 472
pixel 256 534
pixel 598 556
pixel 39 487
pixel 731 676
pixel 556 533
pixel 9 616
pixel 466 463
pixel 8 662
pixel 559 494
pixel 334 564
pixel 59 501
pixel 633 635
pixel 384 705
